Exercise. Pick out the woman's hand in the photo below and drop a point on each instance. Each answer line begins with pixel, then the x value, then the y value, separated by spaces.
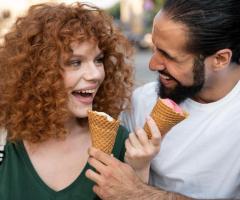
pixel 140 150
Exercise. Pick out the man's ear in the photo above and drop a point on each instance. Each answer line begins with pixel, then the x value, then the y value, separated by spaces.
pixel 222 59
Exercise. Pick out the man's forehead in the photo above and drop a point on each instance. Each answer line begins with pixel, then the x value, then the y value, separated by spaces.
pixel 163 23
pixel 169 35
pixel 157 16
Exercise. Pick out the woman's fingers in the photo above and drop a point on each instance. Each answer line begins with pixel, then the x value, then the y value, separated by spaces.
pixel 142 137
pixel 130 150
pixel 133 139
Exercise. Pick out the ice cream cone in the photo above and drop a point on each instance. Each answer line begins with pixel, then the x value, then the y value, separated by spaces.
pixel 165 117
pixel 103 130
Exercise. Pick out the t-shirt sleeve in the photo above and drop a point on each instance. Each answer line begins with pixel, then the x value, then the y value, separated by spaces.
pixel 128 117
pixel 142 102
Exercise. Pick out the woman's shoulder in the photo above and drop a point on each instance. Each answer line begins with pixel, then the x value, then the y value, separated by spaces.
pixel 7 152
pixel 1 153
pixel 122 132
pixel 119 146
pixel 3 141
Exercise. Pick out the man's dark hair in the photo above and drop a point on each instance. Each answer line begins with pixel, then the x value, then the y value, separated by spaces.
pixel 213 24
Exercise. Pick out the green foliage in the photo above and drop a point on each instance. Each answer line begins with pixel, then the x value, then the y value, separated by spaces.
pixel 114 11
pixel 149 16
pixel 158 5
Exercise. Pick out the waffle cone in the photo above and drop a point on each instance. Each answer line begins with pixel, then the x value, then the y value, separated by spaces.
pixel 165 118
pixel 103 132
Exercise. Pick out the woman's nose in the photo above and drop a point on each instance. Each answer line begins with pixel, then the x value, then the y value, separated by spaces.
pixel 94 72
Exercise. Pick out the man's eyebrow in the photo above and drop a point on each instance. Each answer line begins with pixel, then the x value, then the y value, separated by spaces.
pixel 166 54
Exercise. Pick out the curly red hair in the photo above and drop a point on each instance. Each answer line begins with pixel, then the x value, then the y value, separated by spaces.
pixel 33 102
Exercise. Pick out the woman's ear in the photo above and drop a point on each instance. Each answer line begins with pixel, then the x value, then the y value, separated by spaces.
pixel 222 59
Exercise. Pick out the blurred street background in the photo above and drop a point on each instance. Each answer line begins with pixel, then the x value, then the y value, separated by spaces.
pixel 133 17
pixel 142 72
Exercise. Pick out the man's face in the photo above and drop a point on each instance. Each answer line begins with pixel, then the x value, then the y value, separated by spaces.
pixel 180 92
pixel 181 74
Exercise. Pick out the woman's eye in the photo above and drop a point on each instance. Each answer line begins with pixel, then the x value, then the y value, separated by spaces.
pixel 75 63
pixel 99 60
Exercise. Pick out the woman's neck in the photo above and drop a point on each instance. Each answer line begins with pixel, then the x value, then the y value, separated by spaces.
pixel 77 132
pixel 77 126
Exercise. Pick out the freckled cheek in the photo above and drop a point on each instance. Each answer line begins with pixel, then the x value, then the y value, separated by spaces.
pixel 103 76
pixel 69 80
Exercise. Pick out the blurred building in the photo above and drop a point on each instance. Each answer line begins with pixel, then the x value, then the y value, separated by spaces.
pixel 132 15
pixel 10 9
pixel 136 20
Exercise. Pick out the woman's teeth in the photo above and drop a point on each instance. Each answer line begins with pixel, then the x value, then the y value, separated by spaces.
pixel 84 93
pixel 87 91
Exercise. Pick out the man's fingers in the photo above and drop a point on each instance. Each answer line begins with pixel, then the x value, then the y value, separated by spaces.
pixel 99 166
pixel 101 156
pixel 97 190
pixel 94 176
pixel 156 135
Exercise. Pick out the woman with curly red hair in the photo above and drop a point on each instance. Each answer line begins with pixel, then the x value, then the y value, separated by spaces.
pixel 56 63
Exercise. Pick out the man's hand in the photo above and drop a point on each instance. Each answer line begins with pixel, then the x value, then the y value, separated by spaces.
pixel 114 180
pixel 117 181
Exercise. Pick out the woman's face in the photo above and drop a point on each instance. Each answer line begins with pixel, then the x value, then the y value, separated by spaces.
pixel 83 74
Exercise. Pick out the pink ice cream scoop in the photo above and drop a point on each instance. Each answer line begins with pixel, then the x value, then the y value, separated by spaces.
pixel 171 104
pixel 166 113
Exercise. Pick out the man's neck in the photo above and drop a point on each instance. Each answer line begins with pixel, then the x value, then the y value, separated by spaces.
pixel 219 86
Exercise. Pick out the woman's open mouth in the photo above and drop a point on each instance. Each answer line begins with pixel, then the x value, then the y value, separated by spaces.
pixel 84 96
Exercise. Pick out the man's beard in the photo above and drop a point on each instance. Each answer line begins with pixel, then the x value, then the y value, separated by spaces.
pixel 180 92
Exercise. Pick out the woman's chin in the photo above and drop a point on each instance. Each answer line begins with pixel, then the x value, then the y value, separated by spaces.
pixel 79 111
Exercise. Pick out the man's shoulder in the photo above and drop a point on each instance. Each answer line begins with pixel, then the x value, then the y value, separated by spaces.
pixel 148 89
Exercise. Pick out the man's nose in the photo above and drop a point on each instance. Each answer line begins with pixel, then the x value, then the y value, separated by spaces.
pixel 156 63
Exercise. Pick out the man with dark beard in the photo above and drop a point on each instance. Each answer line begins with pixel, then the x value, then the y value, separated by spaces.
pixel 181 92
pixel 197 55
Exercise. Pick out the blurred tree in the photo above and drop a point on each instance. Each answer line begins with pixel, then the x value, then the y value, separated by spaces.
pixel 151 12
pixel 115 11
pixel 158 5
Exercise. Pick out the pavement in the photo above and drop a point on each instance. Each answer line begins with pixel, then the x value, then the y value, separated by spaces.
pixel 142 72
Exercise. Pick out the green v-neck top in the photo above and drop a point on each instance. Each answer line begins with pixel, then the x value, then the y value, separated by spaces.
pixel 20 181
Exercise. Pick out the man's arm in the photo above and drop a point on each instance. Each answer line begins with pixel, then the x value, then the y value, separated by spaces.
pixel 118 181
